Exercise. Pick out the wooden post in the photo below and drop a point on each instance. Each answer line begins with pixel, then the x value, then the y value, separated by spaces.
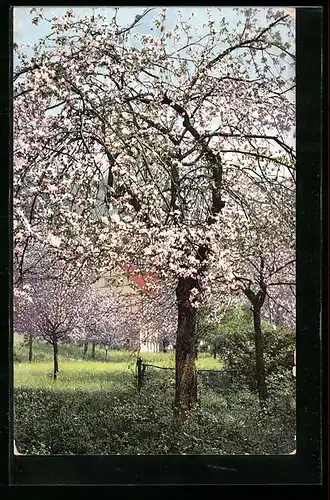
pixel 140 372
pixel 55 353
pixel 30 348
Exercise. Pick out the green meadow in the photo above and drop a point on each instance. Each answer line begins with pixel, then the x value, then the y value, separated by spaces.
pixel 75 372
pixel 94 407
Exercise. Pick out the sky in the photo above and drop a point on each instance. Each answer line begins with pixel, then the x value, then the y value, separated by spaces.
pixel 26 32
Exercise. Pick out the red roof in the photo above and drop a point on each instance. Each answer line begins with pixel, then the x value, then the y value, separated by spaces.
pixel 142 280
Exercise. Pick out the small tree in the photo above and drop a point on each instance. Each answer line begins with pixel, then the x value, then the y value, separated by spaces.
pixel 278 273
pixel 109 339
pixel 21 298
pixel 112 330
pixel 56 312
pixel 238 346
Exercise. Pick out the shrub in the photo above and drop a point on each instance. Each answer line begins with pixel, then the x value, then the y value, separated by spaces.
pixel 233 338
pixel 238 352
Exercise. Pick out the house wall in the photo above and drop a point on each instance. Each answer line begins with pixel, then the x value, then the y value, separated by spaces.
pixel 147 339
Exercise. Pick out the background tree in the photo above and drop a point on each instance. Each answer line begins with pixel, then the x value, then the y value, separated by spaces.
pixel 110 323
pixel 56 313
pixel 21 298
pixel 265 261
pixel 235 339
pixel 158 316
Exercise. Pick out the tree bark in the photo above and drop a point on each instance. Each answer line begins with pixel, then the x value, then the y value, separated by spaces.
pixel 259 355
pixel 185 368
pixel 30 348
pixel 257 301
pixel 186 380
pixel 93 350
pixel 55 352
pixel 85 349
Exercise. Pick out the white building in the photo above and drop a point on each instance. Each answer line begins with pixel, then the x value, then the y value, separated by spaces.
pixel 148 337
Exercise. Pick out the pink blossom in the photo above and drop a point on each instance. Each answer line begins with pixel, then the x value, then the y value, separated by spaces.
pixel 70 143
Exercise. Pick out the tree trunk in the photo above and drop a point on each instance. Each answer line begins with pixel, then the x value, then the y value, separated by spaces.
pixel 106 354
pixel 93 350
pixel 185 368
pixel 85 349
pixel 257 300
pixel 259 353
pixel 55 352
pixel 30 348
pixel 215 353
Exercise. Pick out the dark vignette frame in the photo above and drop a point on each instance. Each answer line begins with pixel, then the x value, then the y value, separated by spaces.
pixel 303 468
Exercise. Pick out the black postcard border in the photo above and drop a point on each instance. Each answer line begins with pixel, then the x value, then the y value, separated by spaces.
pixel 305 467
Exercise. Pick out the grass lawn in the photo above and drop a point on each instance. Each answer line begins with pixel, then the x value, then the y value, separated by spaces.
pixel 117 375
pixel 94 408
pixel 75 372
pixel 92 399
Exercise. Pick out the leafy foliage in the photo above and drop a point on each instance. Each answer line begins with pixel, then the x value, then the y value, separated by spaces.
pixel 103 422
pixel 233 339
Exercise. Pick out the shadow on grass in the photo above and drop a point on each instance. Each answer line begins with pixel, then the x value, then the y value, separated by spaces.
pixel 93 422
pixel 119 420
